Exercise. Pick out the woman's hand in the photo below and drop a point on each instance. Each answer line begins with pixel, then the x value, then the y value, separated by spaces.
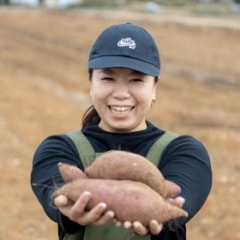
pixel 98 215
pixel 76 211
pixel 137 227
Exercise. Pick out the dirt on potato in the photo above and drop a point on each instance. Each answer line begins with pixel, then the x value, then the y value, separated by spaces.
pixel 45 89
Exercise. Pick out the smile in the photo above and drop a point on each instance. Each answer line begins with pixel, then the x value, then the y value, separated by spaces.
pixel 120 109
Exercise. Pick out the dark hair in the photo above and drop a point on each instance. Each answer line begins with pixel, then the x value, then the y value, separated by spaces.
pixel 91 114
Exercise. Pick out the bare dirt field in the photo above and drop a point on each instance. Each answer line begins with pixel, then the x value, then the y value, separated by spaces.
pixel 44 90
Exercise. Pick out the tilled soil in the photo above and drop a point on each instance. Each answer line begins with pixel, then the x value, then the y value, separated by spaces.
pixel 44 90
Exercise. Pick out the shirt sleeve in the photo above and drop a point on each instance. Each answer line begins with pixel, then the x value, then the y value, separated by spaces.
pixel 186 162
pixel 45 177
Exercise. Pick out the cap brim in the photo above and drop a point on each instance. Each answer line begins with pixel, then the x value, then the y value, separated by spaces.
pixel 119 61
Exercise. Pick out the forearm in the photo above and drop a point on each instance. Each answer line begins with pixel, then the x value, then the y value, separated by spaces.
pixel 45 177
pixel 188 165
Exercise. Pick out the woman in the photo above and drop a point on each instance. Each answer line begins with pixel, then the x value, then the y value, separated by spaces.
pixel 124 69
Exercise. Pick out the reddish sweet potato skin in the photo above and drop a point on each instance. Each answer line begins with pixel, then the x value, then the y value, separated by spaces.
pixel 70 172
pixel 122 165
pixel 130 200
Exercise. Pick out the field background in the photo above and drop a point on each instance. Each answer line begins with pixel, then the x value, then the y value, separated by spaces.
pixel 44 90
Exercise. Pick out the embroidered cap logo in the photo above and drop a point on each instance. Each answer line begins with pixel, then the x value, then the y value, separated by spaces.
pixel 127 42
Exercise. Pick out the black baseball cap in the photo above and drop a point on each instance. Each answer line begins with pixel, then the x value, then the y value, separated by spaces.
pixel 125 45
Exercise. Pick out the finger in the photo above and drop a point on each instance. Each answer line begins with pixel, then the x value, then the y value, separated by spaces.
pixel 73 211
pixel 155 227
pixel 127 225
pixel 63 204
pixel 139 228
pixel 178 201
pixel 117 223
pixel 106 217
pixel 60 201
pixel 172 189
pixel 94 214
pixel 78 209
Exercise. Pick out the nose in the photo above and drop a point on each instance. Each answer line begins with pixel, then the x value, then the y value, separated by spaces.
pixel 121 91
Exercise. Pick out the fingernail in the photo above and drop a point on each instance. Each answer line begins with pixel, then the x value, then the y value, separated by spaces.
pixel 87 194
pixel 182 199
pixel 127 225
pixel 103 205
pixel 118 224
pixel 154 222
pixel 111 214
pixel 60 200
pixel 136 224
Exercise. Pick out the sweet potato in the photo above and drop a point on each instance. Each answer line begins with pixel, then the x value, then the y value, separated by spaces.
pixel 130 200
pixel 70 172
pixel 122 165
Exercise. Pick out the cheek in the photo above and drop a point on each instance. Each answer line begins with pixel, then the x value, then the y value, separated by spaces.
pixel 94 89
pixel 146 96
pixel 97 93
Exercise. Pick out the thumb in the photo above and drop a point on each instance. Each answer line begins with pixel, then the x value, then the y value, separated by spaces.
pixel 172 189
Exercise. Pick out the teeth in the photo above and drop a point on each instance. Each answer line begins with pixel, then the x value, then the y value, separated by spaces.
pixel 121 109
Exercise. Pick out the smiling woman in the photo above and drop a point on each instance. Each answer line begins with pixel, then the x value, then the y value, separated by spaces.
pixel 125 98
pixel 124 68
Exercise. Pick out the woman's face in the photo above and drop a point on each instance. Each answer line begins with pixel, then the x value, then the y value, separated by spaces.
pixel 122 97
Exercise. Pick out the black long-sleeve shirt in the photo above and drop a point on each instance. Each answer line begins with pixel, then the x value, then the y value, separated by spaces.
pixel 185 161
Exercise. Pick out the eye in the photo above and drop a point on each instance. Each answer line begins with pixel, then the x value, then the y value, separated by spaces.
pixel 136 80
pixel 107 79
